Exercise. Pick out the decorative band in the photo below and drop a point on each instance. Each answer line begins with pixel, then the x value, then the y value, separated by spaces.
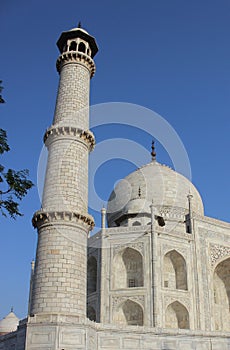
pixel 41 218
pixel 84 135
pixel 76 57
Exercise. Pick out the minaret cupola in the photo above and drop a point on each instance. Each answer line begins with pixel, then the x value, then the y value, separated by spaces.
pixel 77 40
pixel 77 45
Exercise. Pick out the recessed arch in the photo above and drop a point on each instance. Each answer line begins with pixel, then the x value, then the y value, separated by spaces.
pixel 82 47
pixel 91 313
pixel 129 313
pixel 73 46
pixel 91 275
pixel 221 295
pixel 175 271
pixel 177 316
pixel 136 223
pixel 128 269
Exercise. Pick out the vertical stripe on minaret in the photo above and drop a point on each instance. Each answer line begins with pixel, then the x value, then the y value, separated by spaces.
pixel 63 223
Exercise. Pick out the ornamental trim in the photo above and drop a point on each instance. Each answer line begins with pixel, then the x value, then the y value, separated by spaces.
pixel 168 300
pixel 76 57
pixel 217 252
pixel 172 212
pixel 139 246
pixel 85 135
pixel 41 218
pixel 140 299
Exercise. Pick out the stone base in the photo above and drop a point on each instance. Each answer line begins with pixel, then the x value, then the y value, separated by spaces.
pixel 58 332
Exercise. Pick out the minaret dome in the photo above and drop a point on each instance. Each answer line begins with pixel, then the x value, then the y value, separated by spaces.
pixel 77 40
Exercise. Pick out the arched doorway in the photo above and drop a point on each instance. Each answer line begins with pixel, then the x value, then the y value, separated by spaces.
pixel 221 286
pixel 177 316
pixel 129 313
pixel 128 269
pixel 175 271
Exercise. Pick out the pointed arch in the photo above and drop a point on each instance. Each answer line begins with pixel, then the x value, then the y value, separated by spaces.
pixel 91 275
pixel 175 271
pixel 128 269
pixel 91 313
pixel 177 316
pixel 82 47
pixel 73 46
pixel 129 313
pixel 221 294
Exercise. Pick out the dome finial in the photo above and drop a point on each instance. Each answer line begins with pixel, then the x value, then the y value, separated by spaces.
pixel 139 192
pixel 153 153
pixel 79 24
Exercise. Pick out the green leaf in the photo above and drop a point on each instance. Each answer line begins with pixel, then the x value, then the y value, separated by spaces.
pixel 10 207
pixel 4 147
pixel 1 88
pixel 14 184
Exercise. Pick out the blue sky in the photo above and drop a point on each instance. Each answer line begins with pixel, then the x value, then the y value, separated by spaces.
pixel 172 57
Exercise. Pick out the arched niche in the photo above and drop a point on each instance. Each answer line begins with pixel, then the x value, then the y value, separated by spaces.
pixel 73 46
pixel 175 271
pixel 129 313
pixel 91 275
pixel 221 291
pixel 177 316
pixel 128 269
pixel 82 47
pixel 91 313
pixel 136 223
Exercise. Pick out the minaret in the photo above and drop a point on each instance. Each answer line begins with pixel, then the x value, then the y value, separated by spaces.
pixel 63 223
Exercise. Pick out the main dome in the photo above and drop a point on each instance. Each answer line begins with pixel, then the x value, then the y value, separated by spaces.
pixel 153 183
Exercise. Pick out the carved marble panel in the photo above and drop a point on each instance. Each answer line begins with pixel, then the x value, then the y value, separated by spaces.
pixel 139 246
pixel 217 252
pixel 140 299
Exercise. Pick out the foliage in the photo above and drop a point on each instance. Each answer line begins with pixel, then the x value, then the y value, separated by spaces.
pixel 14 185
pixel 1 88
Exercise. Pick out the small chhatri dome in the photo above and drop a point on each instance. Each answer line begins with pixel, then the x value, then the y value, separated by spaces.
pixel 9 323
pixel 77 35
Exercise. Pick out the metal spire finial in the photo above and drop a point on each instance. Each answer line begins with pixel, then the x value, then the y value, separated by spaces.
pixel 153 153
pixel 79 24
pixel 139 192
